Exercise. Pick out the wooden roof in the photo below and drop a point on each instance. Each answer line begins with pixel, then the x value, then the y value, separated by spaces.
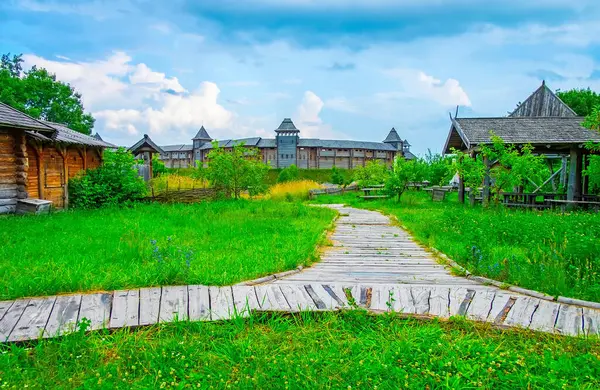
pixel 11 117
pixel 466 133
pixel 542 103
pixel 145 145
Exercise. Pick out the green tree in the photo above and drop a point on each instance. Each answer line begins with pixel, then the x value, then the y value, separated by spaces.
pixel 405 172
pixel 288 174
pixel 115 182
pixel 373 173
pixel 582 101
pixel 236 170
pixel 337 177
pixel 158 167
pixel 37 93
pixel 439 168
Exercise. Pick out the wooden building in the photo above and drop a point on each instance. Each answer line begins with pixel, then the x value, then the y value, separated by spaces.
pixel 288 148
pixel 37 158
pixel 542 120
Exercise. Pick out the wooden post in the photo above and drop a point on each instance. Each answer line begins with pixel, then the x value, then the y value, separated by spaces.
pixel 39 149
pixel 563 173
pixel 486 181
pixel 62 150
pixel 150 173
pixel 586 179
pixel 84 156
pixel 461 189
pixel 574 189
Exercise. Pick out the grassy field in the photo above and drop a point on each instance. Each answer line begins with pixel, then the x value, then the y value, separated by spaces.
pixel 151 244
pixel 318 175
pixel 545 251
pixel 322 350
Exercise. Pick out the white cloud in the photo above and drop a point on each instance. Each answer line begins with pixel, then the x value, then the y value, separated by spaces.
pixel 308 119
pixel 418 84
pixel 341 104
pixel 161 27
pixel 155 80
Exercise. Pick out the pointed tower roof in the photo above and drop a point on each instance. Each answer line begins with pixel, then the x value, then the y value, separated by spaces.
pixel 392 136
pixel 97 136
pixel 543 103
pixel 202 135
pixel 145 145
pixel 287 126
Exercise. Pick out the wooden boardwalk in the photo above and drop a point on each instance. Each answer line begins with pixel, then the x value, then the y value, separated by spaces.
pixel 372 265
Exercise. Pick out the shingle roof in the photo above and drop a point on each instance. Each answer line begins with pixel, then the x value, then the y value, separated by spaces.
pixel 287 126
pixel 145 141
pixel 202 135
pixel 177 148
pixel 64 134
pixel 344 144
pixel 12 117
pixel 392 136
pixel 543 103
pixel 519 130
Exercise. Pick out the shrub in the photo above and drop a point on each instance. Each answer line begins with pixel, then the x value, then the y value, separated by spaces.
pixel 404 172
pixel 373 173
pixel 288 174
pixel 115 182
pixel 337 177
pixel 293 190
pixel 158 167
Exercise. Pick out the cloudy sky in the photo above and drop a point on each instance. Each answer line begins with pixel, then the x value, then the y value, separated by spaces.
pixel 338 68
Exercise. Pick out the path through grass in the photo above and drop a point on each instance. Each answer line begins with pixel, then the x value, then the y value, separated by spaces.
pixel 310 351
pixel 545 251
pixel 213 243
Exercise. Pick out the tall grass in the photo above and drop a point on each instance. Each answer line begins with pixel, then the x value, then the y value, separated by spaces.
pixel 174 182
pixel 345 350
pixel 216 243
pixel 546 251
pixel 293 190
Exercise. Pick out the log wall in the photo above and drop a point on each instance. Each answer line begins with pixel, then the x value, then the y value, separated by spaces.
pixel 8 173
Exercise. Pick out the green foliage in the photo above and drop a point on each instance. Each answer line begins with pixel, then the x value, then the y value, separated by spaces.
pixel 236 170
pixel 593 172
pixel 512 167
pixel 469 168
pixel 337 177
pixel 439 169
pixel 37 93
pixel 115 182
pixel 592 120
pixel 582 101
pixel 405 172
pixel 288 174
pixel 317 175
pixel 158 167
pixel 342 350
pixel 545 251
pixel 373 173
pixel 112 248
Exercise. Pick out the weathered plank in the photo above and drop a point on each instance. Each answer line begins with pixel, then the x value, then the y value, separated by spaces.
pixel 501 307
pixel 270 298
pixel 125 309
pixel 199 303
pixel 383 298
pixel 544 317
pixel 457 298
pixel 4 306
pixel 569 320
pixel 34 319
pixel 221 303
pixel 63 318
pixel 481 305
pixel 297 298
pixel 439 302
pixel 244 300
pixel 11 317
pixel 420 297
pixel 337 292
pixel 321 297
pixel 149 305
pixel 173 304
pixel 591 321
pixel 403 300
pixel 95 308
pixel 522 312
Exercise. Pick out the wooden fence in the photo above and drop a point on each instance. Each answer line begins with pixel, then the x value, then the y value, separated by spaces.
pixel 184 196
pixel 312 194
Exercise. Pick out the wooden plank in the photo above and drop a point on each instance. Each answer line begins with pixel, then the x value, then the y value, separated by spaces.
pixel 500 307
pixel 481 305
pixel 199 303
pixel 383 299
pixel 270 298
pixel 34 319
pixel 337 292
pixel 297 298
pixel 221 303
pixel 4 306
pixel 420 297
pixel 439 302
pixel 457 298
pixel 95 308
pixel 591 321
pixel 63 318
pixel 544 317
pixel 125 309
pixel 403 301
pixel 244 300
pixel 321 297
pixel 173 304
pixel 570 320
pixel 522 312
pixel 149 305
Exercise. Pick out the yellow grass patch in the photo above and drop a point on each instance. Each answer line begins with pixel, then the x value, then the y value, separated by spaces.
pixel 293 190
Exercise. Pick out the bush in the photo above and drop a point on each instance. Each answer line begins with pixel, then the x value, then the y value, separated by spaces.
pixel 158 167
pixel 337 177
pixel 115 182
pixel 288 174
pixel 373 173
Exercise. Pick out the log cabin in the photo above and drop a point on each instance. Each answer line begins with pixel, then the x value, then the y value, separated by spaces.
pixel 37 158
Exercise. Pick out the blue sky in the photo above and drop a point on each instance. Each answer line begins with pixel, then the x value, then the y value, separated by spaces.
pixel 340 69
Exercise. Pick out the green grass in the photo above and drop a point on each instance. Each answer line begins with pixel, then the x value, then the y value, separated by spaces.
pixel 214 243
pixel 323 350
pixel 548 251
pixel 318 175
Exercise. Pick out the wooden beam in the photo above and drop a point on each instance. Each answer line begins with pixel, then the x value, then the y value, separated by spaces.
pixel 546 182
pixel 486 181
pixel 461 189
pixel 586 179
pixel 573 188
pixel 62 150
